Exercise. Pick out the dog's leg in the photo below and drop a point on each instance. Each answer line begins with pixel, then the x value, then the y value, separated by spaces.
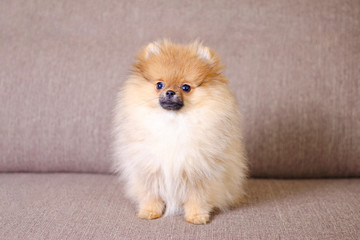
pixel 197 210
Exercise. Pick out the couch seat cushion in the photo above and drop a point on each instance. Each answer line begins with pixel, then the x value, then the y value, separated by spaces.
pixel 93 206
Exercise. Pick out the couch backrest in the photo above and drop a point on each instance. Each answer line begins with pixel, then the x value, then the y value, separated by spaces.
pixel 294 66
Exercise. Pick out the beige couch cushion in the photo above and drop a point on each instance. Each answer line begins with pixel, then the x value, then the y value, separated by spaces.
pixel 84 206
pixel 294 66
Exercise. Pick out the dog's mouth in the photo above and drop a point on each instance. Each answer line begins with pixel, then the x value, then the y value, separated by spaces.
pixel 173 105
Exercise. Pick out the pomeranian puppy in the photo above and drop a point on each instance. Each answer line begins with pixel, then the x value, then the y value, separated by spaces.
pixel 178 143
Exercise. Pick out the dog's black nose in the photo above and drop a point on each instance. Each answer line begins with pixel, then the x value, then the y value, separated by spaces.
pixel 170 93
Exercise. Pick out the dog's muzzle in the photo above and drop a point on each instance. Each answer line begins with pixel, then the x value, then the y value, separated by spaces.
pixel 170 101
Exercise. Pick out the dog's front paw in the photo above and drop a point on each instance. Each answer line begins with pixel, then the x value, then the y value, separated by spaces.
pixel 198 218
pixel 151 209
pixel 149 214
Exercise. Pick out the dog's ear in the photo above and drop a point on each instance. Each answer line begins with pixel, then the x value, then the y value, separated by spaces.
pixel 202 52
pixel 153 48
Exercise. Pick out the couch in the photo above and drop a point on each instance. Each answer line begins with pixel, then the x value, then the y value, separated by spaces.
pixel 293 65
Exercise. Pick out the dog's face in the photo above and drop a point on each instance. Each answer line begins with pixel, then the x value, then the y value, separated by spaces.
pixel 177 72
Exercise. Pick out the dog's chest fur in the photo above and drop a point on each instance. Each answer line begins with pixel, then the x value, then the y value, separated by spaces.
pixel 177 153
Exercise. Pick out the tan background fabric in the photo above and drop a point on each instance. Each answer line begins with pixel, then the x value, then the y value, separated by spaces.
pixel 83 206
pixel 294 66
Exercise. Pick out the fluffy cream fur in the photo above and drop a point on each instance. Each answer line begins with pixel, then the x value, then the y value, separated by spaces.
pixel 192 158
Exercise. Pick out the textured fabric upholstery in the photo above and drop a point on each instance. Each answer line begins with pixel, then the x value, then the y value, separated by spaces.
pixel 294 66
pixel 84 206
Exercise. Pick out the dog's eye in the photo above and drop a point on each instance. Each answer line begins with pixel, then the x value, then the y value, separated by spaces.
pixel 186 88
pixel 159 85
